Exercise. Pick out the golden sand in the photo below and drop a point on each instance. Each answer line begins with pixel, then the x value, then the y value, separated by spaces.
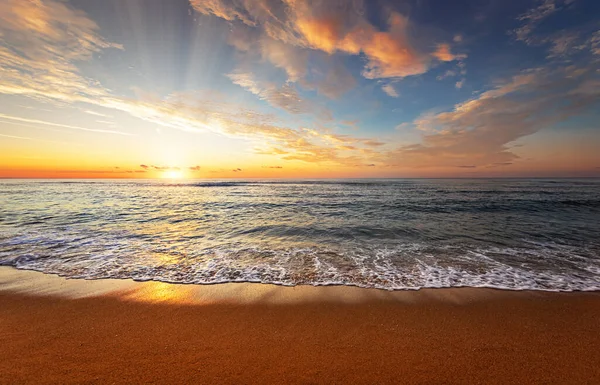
pixel 73 331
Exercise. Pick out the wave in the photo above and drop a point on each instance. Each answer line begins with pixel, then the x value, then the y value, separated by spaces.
pixel 378 233
pixel 408 267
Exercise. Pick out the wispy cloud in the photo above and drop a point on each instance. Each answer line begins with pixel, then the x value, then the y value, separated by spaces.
pixel 45 42
pixel 285 97
pixel 390 90
pixel 96 113
pixel 16 137
pixel 45 123
pixel 39 58
pixel 41 42
pixel 479 130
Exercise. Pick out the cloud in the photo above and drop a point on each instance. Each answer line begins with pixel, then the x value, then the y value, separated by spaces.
pixel 390 90
pixel 533 17
pixel 166 168
pixel 41 42
pixel 286 29
pixel 16 137
pixel 158 168
pixel 594 43
pixel 333 82
pixel 479 130
pixel 285 97
pixel 115 170
pixel 442 53
pixel 447 74
pixel 331 78
pixel 390 54
pixel 561 43
pixel 45 123
pixel 45 41
pixel 237 170
pixel 459 84
pixel 96 113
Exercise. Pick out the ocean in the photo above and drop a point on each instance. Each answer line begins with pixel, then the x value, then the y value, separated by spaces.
pixel 395 234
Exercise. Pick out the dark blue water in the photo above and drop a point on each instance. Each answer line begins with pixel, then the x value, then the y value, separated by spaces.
pixel 391 234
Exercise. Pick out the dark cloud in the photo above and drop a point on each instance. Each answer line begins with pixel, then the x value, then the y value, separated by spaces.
pixel 165 168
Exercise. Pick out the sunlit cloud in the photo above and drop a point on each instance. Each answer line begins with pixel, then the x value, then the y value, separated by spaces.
pixel 321 69
pixel 334 26
pixel 59 81
pixel 442 53
pixel 479 130
pixel 41 42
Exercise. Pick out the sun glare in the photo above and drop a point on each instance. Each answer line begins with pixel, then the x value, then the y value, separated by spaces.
pixel 172 174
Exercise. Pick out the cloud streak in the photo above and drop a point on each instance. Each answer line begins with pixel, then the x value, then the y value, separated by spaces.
pixel 479 130
pixel 45 123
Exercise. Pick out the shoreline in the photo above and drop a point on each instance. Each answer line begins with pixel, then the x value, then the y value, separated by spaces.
pixel 33 283
pixel 57 330
pixel 36 283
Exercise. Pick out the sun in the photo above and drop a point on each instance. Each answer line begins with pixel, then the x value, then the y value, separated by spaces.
pixel 172 174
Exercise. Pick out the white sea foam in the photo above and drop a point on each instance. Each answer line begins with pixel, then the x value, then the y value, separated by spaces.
pixel 411 266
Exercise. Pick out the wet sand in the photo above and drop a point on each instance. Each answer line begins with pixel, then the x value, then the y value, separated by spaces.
pixel 74 331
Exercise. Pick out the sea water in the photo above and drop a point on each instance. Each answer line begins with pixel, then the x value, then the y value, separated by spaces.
pixel 540 234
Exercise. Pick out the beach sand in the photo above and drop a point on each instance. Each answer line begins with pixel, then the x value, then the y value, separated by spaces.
pixel 74 331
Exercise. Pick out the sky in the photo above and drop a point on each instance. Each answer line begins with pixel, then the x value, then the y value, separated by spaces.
pixel 299 88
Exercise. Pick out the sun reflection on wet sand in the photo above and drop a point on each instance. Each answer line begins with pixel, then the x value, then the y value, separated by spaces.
pixel 39 284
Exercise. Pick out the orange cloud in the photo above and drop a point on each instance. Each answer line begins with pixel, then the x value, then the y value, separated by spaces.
pixel 390 53
pixel 323 34
pixel 442 53
pixel 286 27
